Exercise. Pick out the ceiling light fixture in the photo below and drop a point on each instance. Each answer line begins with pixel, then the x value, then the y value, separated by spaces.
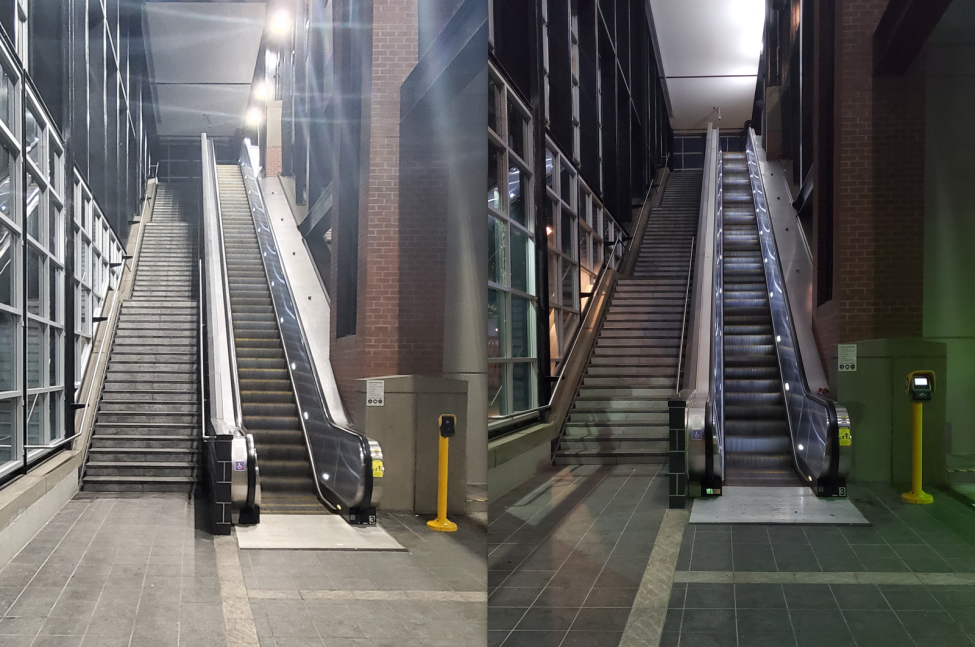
pixel 253 117
pixel 281 23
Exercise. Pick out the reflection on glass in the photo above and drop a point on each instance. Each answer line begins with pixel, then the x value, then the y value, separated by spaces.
pixel 496 327
pixel 36 410
pixel 35 354
pixel 35 268
pixel 8 425
pixel 516 130
pixel 569 275
pixel 54 296
pixel 494 194
pixel 7 99
pixel 568 182
pixel 584 238
pixel 496 392
pixel 32 139
pixel 568 234
pixel 522 317
pixel 492 105
pixel 549 166
pixel 54 359
pixel 8 351
pixel 522 386
pixel 8 267
pixel 33 208
pixel 554 337
pixel 495 250
pixel 569 324
pixel 522 256
pixel 517 187
pixel 56 425
pixel 553 279
pixel 7 198
pixel 549 221
pixel 54 230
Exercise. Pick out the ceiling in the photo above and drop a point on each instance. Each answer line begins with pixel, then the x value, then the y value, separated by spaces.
pixel 202 58
pixel 709 52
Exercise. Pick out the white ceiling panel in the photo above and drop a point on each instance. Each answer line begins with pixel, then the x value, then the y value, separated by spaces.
pixel 188 109
pixel 718 43
pixel 694 100
pixel 203 56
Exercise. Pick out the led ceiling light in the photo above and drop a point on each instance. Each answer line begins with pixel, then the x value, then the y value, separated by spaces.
pixel 253 117
pixel 260 90
pixel 281 22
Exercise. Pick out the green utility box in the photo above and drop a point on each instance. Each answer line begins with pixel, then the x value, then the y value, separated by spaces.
pixel 875 393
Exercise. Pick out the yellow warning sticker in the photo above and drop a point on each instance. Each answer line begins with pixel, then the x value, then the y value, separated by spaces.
pixel 846 439
pixel 377 469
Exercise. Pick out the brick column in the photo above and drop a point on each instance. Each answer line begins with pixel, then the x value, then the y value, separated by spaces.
pixel 878 199
pixel 379 346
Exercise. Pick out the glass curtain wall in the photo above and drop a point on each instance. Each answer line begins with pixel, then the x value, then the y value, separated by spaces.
pixel 580 234
pixel 98 260
pixel 32 273
pixel 11 267
pixel 512 303
pixel 44 195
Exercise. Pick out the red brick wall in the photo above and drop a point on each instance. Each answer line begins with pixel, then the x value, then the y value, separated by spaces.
pixel 379 346
pixel 878 201
pixel 272 166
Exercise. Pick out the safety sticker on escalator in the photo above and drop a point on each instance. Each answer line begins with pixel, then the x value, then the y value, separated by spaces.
pixel 846 438
pixel 377 469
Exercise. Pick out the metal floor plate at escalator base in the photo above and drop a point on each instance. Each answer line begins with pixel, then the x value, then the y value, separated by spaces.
pixel 758 445
pixel 774 505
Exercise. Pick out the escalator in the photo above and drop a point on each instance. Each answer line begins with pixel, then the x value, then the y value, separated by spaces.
pixel 263 383
pixel 752 418
pixel 270 412
pixel 758 447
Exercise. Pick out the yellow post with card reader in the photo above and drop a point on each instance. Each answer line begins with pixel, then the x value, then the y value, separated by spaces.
pixel 920 386
pixel 448 424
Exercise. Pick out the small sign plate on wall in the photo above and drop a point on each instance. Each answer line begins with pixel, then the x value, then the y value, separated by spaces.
pixel 375 393
pixel 847 357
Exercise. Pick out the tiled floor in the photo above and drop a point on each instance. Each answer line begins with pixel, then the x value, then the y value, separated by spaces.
pixel 567 551
pixel 114 572
pixel 433 595
pixel 111 572
pixel 938 538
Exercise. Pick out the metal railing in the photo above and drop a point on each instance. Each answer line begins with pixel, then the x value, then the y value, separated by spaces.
pixel 683 323
pixel 342 459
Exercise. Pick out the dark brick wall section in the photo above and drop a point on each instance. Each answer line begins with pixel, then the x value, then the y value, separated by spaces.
pixel 878 201
pixel 380 346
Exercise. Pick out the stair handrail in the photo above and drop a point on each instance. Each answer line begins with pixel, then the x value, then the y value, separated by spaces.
pixel 327 441
pixel 814 421
pixel 618 243
pixel 683 322
pixel 226 411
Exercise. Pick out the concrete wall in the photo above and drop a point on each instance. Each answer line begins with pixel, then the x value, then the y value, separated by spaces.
pixel 949 232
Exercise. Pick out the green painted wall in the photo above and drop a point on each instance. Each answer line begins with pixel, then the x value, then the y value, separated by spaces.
pixel 949 233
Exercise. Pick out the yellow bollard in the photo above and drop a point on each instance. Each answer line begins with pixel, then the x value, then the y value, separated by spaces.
pixel 447 423
pixel 920 386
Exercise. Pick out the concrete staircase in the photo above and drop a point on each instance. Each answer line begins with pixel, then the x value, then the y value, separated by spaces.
pixel 147 428
pixel 620 413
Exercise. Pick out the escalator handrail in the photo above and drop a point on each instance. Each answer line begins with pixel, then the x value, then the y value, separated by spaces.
pixel 715 416
pixel 222 326
pixel 283 301
pixel 784 329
